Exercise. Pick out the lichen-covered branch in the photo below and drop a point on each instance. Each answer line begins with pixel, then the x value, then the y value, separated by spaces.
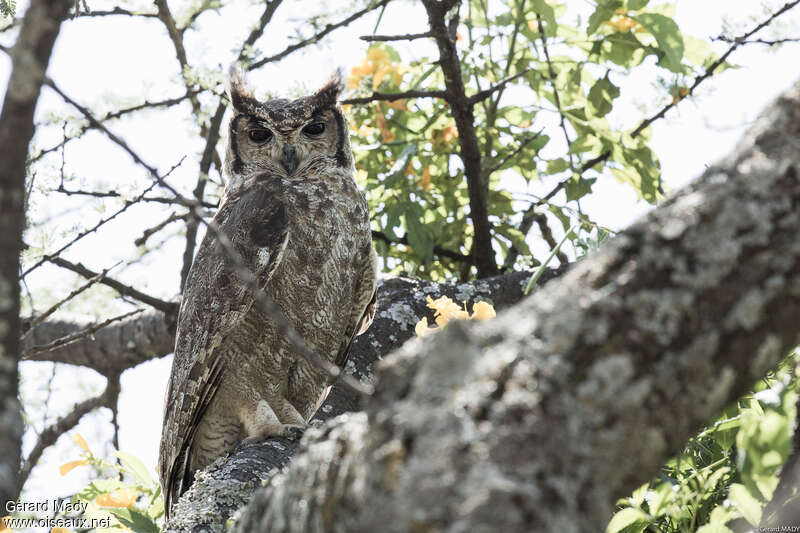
pixel 541 418
pixel 29 59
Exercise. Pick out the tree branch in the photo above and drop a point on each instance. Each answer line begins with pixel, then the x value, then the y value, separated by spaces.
pixel 391 97
pixel 477 182
pixel 316 37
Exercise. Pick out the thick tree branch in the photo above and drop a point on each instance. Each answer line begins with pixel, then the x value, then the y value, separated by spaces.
pixel 608 370
pixel 29 59
pixel 461 106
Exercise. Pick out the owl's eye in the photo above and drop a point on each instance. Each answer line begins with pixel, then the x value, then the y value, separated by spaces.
pixel 260 136
pixel 314 129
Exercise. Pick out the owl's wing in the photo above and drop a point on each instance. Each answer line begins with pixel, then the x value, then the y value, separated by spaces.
pixel 368 292
pixel 214 303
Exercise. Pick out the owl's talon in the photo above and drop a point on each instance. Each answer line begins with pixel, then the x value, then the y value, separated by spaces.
pixel 293 432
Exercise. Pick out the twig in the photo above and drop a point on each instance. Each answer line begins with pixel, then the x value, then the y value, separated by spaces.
pixel 405 37
pixel 556 98
pixel 486 93
pixel 525 142
pixel 767 42
pixel 146 234
pixel 67 339
pixel 112 12
pixel 113 115
pixel 169 308
pixel 391 97
pixel 314 38
pixel 40 318
pixel 81 235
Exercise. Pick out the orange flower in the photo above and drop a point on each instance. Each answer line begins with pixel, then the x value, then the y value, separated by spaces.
pixel 76 437
pixel 60 530
pixel 66 467
pixel 387 135
pixel 4 524
pixel 425 182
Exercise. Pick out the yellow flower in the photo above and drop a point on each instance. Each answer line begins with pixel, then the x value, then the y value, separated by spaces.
pixel 380 73
pixel 119 498
pixel 482 311
pixel 60 530
pixel 66 467
pixel 361 176
pixel 422 329
pixel 377 55
pixel 78 439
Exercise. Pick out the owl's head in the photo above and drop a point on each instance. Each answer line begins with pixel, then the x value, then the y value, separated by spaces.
pixel 286 137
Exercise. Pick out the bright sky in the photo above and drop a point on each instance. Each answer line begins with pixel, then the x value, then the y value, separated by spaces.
pixel 114 60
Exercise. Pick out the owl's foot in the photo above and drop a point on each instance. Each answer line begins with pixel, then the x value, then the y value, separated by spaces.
pixel 289 431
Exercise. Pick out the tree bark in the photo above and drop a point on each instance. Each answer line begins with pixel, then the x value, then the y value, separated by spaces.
pixel 29 58
pixel 540 419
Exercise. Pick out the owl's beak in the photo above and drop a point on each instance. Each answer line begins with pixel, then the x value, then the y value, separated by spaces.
pixel 289 158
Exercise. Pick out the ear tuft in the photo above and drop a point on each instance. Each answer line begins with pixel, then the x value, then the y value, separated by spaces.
pixel 239 92
pixel 328 94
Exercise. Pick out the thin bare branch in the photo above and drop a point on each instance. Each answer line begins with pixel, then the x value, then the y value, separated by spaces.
pixel 316 37
pixel 405 37
pixel 169 308
pixel 40 318
pixel 391 97
pixel 63 341
pixel 511 155
pixel 149 232
pixel 486 93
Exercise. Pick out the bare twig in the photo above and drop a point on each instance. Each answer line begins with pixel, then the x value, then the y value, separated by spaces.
pixel 40 318
pixel 405 37
pixel 391 97
pixel 113 115
pixel 556 98
pixel 149 232
pixel 511 155
pixel 768 42
pixel 113 12
pixel 486 93
pixel 76 336
pixel 81 235
pixel 316 37
pixel 169 308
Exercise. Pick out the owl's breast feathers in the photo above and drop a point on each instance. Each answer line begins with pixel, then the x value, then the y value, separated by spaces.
pixel 309 245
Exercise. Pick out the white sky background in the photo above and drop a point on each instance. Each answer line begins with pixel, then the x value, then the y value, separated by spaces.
pixel 117 60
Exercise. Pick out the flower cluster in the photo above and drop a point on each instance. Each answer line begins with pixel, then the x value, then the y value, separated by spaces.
pixel 447 310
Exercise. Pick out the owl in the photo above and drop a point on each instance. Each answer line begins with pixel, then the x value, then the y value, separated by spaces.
pixel 294 214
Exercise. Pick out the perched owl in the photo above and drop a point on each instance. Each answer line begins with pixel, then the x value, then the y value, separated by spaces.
pixel 293 212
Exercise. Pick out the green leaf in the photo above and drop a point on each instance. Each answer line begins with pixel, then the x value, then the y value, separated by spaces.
pixel 601 96
pixel 605 10
pixel 633 5
pixel 136 467
pixel 557 165
pixel 418 237
pixel 578 188
pixel 98 487
pixel 746 503
pixel 714 528
pixel 624 49
pixel 625 518
pixel 668 36
pixel 138 522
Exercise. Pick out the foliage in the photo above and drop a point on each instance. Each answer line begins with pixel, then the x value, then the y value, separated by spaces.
pixel 546 125
pixel 8 8
pixel 727 472
pixel 124 495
